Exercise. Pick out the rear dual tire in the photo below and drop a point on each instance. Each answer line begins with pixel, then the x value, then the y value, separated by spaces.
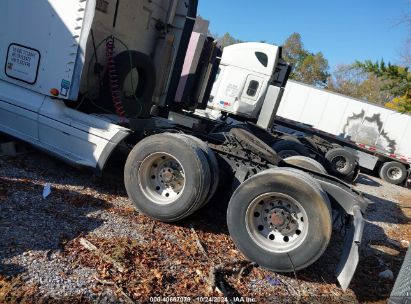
pixel 288 148
pixel 282 226
pixel 340 162
pixel 212 163
pixel 168 176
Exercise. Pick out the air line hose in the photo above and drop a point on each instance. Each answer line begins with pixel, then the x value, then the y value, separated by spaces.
pixel 113 79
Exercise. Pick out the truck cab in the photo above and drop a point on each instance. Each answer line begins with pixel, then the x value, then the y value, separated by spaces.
pixel 58 58
pixel 249 88
pixel 245 72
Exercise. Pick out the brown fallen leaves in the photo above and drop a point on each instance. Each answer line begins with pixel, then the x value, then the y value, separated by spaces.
pixel 170 262
pixel 174 260
pixel 14 290
pixel 158 267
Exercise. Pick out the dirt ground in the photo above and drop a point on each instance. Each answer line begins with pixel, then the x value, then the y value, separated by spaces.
pixel 85 243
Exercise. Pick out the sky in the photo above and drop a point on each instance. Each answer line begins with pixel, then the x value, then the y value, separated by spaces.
pixel 343 30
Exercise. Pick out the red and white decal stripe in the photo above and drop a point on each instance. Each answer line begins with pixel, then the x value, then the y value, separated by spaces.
pixel 372 149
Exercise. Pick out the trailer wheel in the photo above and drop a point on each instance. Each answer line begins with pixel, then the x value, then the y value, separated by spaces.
pixel 213 164
pixel 341 161
pixel 167 177
pixel 287 148
pixel 306 163
pixel 393 172
pixel 280 225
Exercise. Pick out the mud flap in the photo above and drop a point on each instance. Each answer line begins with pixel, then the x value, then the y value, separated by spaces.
pixel 350 256
pixel 108 150
pixel 352 177
pixel 357 172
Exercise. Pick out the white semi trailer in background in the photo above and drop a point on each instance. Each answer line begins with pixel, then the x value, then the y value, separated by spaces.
pixel 379 136
pixel 83 78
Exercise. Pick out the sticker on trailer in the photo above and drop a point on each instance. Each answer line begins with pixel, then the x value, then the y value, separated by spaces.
pixel 22 63
pixel 65 87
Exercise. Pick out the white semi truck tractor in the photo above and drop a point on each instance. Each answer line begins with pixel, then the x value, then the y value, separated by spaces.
pixel 244 93
pixel 82 78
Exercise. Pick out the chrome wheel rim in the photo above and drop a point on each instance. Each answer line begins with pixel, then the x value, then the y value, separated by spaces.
pixel 394 173
pixel 162 178
pixel 277 222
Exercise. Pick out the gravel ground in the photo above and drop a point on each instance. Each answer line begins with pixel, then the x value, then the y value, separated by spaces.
pixel 43 261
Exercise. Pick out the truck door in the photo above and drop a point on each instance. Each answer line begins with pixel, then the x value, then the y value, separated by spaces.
pixel 216 84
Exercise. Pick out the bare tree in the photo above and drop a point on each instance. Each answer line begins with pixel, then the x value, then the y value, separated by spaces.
pixel 405 55
pixel 406 48
pixel 355 82
pixel 308 67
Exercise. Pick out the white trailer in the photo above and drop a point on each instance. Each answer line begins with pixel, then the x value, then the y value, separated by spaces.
pixel 378 135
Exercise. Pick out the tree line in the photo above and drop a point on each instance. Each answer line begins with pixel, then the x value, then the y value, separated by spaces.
pixel 378 82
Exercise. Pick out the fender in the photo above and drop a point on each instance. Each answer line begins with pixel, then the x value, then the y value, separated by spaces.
pixel 350 255
pixel 108 150
pixel 354 204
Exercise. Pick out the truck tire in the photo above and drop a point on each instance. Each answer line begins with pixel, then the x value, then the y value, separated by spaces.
pixel 287 148
pixel 281 225
pixel 213 164
pixel 393 172
pixel 306 163
pixel 255 145
pixel 340 161
pixel 167 177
